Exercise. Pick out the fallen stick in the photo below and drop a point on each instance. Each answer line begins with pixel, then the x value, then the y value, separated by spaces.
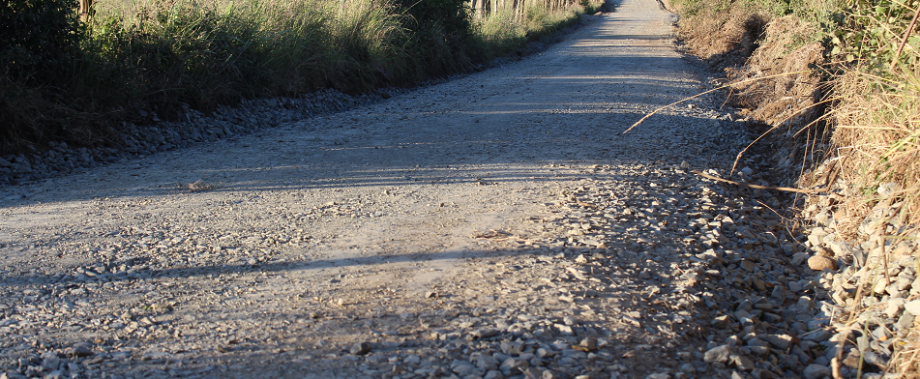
pixel 760 187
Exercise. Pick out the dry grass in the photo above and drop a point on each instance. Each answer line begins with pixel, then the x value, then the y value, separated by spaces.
pixel 878 133
pixel 723 32
pixel 787 100
pixel 906 361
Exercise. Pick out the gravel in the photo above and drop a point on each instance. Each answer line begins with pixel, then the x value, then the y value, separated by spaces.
pixel 493 226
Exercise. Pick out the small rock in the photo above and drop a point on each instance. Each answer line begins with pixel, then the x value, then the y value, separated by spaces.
pixel 485 333
pixel 913 307
pixel 805 304
pixel 876 359
pixel 905 322
pixel 840 248
pixel 888 189
pixel 894 307
pixel 719 354
pixel 747 265
pixel 819 335
pixel 50 361
pixel 821 263
pixel 824 218
pixel 742 362
pixel 814 371
pixel 533 373
pixel 80 350
pixel 512 365
pixel 780 341
pixel 721 322
pixel 799 258
pixel 462 368
pixel 486 362
pixel 360 348
pixel 589 343
pixel 569 320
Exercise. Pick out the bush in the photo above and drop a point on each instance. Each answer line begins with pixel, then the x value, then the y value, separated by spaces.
pixel 442 34
pixel 37 35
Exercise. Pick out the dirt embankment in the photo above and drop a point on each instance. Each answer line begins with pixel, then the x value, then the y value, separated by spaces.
pixel 856 235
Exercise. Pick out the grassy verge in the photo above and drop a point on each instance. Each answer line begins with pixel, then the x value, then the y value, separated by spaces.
pixel 878 113
pixel 137 61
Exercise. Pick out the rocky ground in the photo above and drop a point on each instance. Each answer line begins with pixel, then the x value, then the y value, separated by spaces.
pixel 494 226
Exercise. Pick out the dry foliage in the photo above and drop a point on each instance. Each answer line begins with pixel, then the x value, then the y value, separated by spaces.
pixel 877 120
pixel 878 132
pixel 723 37
pixel 786 100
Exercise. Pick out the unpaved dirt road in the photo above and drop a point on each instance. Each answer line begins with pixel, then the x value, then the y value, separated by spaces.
pixel 497 225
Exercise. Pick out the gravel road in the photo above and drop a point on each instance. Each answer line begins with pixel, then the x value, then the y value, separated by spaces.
pixel 494 226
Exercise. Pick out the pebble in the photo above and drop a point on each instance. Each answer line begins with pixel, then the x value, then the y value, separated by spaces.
pixel 814 371
pixel 485 333
pixel 821 263
pixel 913 307
pixel 360 348
pixel 719 354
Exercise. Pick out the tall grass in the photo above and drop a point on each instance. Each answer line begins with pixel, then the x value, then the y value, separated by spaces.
pixel 164 56
pixel 878 120
pixel 208 53
pixel 506 31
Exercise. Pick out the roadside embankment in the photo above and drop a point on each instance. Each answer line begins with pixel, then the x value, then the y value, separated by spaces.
pixel 833 87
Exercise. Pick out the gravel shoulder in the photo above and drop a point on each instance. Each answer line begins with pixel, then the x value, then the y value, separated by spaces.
pixel 497 225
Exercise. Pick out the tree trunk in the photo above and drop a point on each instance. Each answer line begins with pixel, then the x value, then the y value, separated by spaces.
pixel 86 9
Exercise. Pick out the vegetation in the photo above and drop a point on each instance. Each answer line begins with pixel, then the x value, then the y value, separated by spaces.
pixel 868 72
pixel 64 80
pixel 871 70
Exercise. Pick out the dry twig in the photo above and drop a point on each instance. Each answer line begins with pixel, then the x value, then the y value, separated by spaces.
pixel 768 188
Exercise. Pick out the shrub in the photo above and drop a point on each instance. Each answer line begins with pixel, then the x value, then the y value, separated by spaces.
pixel 36 36
pixel 442 33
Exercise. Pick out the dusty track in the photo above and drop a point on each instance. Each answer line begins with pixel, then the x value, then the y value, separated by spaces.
pixel 412 225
